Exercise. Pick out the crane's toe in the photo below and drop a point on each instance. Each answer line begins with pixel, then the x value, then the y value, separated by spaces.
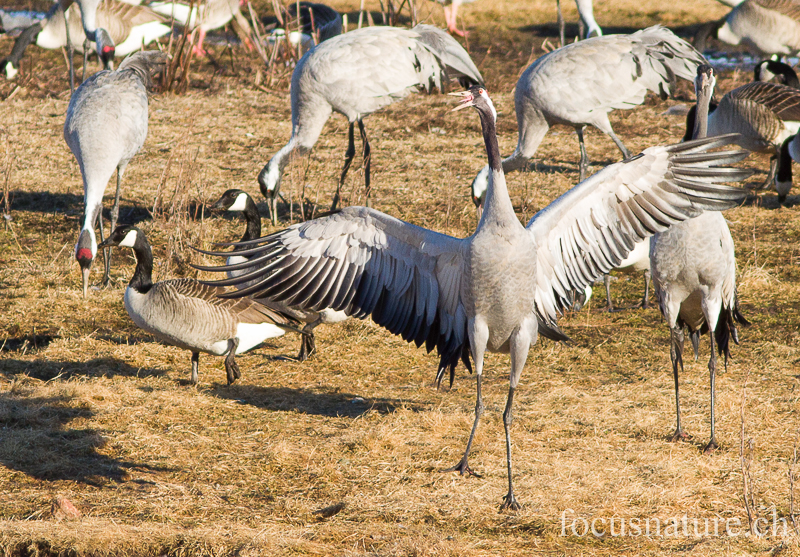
pixel 711 447
pixel 510 503
pixel 680 435
pixel 463 468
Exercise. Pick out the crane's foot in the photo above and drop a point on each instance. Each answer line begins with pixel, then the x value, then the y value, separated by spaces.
pixel 463 468
pixel 510 503
pixel 679 435
pixel 711 447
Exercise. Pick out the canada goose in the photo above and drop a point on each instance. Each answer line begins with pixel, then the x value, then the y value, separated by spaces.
pixel 767 26
pixel 588 26
pixel 237 200
pixel 106 125
pixel 356 74
pixel 317 20
pixel 764 115
pixel 191 315
pixel 126 26
pixel 580 83
pixel 767 70
pixel 694 273
pixel 505 284
pixel 213 14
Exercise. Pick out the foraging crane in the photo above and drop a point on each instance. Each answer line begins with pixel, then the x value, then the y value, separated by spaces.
pixel 126 26
pixel 356 74
pixel 580 83
pixel 694 272
pixel 504 285
pixel 106 125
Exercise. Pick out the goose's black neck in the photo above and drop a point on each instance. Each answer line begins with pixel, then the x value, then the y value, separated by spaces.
pixel 489 129
pixel 142 279
pixel 253 219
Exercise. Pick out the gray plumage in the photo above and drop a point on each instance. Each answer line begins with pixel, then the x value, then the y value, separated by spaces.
pixel 239 201
pixel 694 274
pixel 766 26
pixel 191 315
pixel 766 116
pixel 500 288
pixel 105 127
pixel 356 74
pixel 580 83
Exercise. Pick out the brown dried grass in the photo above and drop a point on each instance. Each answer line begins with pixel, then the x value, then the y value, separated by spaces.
pixel 94 411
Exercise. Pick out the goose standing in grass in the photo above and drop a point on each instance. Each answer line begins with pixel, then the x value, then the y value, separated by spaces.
pixel 694 272
pixel 504 285
pixel 239 201
pixel 580 83
pixel 191 315
pixel 356 74
pixel 211 14
pixel 126 26
pixel 767 26
pixel 106 125
pixel 767 70
pixel 766 116
pixel 451 15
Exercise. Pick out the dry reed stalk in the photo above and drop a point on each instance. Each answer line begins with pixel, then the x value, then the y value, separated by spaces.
pixel 745 461
pixel 7 167
pixel 181 59
pixel 792 474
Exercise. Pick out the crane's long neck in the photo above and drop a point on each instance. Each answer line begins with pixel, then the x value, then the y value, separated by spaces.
pixel 498 207
pixel 142 279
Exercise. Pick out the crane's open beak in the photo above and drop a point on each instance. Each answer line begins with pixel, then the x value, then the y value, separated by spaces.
pixel 467 100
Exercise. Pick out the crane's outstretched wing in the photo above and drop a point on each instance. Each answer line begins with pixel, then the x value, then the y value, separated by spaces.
pixel 365 263
pixel 591 228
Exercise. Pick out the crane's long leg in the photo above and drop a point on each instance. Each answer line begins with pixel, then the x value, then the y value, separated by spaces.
pixel 561 25
pixel 625 153
pixel 518 348
pixel 195 365
pixel 646 298
pixel 609 303
pixel 70 53
pixel 478 338
pixel 106 252
pixel 86 46
pixel 773 168
pixel 676 354
pixel 348 158
pixel 231 367
pixel 114 219
pixel 367 159
pixel 712 368
pixel 584 164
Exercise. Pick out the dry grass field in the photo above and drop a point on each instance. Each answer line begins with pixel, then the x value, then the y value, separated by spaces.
pixel 343 454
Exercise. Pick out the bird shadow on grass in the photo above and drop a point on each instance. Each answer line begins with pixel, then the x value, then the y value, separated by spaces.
pixel 47 370
pixel 770 202
pixel 318 403
pixel 36 440
pixel 71 203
